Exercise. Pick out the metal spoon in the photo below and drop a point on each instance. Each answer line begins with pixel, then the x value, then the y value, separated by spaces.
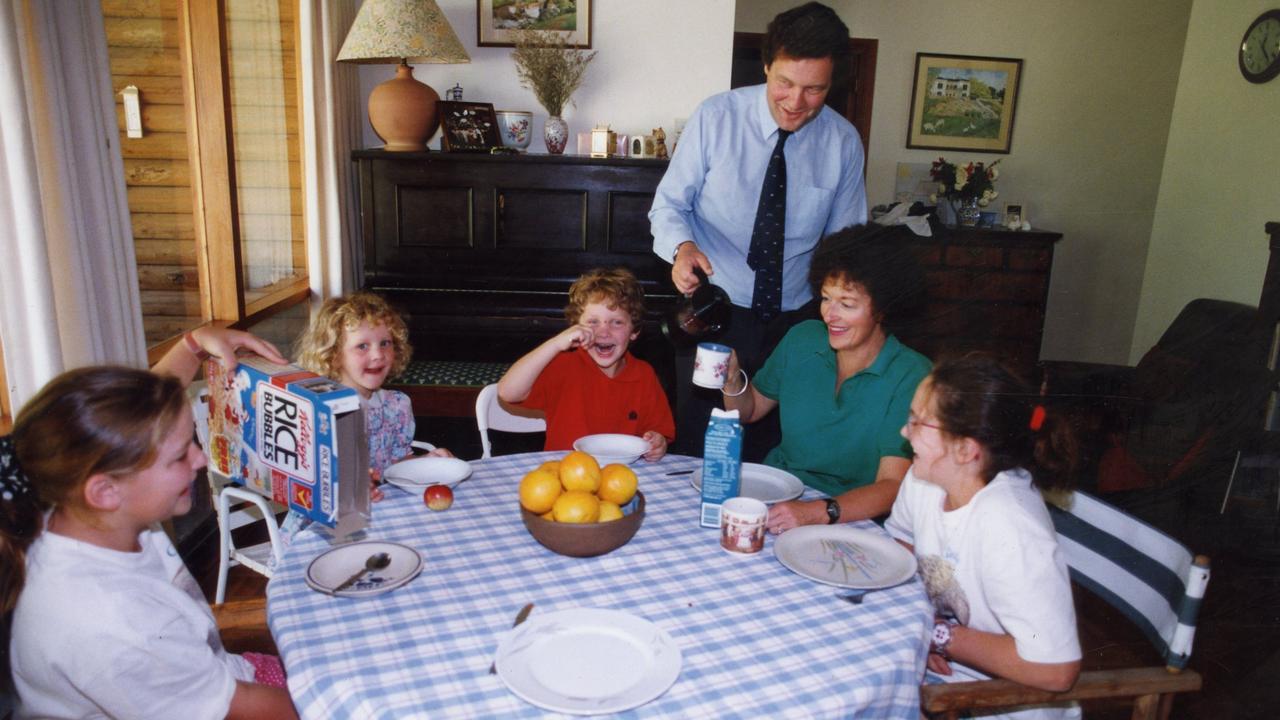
pixel 376 561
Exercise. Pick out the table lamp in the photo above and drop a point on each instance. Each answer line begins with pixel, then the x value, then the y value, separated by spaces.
pixel 402 110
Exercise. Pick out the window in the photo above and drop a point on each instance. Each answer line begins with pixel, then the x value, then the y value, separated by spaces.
pixel 215 181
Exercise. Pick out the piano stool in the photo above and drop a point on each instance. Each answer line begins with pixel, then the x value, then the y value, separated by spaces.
pixel 446 388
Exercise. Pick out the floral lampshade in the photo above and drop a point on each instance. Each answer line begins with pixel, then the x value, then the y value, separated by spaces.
pixel 402 110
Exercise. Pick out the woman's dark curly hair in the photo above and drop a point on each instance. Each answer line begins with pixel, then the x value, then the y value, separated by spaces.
pixel 879 260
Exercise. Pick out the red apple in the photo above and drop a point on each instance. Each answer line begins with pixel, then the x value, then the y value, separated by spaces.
pixel 438 497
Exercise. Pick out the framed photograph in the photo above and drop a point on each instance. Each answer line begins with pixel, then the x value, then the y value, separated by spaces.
pixel 498 21
pixel 963 102
pixel 1012 215
pixel 468 127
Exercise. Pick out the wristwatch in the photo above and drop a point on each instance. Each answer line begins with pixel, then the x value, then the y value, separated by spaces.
pixel 833 511
pixel 941 637
pixel 676 253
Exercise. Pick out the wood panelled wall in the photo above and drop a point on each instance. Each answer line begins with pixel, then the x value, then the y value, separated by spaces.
pixel 142 40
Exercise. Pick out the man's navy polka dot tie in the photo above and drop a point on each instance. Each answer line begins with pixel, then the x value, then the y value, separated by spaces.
pixel 765 255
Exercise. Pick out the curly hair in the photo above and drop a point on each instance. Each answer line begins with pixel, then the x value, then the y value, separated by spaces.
pixel 615 287
pixel 809 31
pixel 875 258
pixel 320 347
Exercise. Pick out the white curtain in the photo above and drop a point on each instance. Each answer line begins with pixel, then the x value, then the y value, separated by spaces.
pixel 332 116
pixel 68 283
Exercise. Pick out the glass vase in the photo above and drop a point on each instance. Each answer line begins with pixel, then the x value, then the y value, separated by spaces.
pixel 555 133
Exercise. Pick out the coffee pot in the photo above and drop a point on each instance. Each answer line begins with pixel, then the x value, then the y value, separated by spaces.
pixel 702 316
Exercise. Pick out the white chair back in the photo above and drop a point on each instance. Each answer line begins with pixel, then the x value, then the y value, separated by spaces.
pixel 1148 576
pixel 236 507
pixel 490 414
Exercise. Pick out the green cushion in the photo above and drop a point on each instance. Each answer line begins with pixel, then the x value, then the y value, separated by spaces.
pixel 455 373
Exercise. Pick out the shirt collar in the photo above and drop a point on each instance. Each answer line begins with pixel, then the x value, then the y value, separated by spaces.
pixel 890 350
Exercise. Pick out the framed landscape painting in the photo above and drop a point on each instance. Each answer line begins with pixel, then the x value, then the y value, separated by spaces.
pixel 963 102
pixel 498 21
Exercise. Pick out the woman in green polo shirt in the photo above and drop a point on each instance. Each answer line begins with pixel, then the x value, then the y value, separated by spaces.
pixel 843 385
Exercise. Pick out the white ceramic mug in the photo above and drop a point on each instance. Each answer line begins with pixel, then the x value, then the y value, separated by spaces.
pixel 742 525
pixel 711 365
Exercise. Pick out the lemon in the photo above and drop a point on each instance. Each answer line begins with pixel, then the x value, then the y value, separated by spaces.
pixel 617 484
pixel 576 506
pixel 538 491
pixel 551 466
pixel 609 511
pixel 579 471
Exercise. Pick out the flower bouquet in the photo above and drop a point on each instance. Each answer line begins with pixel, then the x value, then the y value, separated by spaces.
pixel 965 187
pixel 553 70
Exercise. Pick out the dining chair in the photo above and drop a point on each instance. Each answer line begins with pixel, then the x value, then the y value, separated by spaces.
pixel 1149 577
pixel 491 415
pixel 236 507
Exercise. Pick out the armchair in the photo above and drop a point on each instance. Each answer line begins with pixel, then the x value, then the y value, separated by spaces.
pixel 1190 402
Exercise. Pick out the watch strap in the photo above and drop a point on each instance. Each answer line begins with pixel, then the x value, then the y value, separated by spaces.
pixel 201 354
pixel 940 638
pixel 833 511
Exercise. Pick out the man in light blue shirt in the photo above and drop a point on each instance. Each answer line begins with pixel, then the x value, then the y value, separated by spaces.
pixel 705 207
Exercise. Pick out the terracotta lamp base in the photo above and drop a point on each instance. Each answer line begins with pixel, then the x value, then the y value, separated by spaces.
pixel 403 111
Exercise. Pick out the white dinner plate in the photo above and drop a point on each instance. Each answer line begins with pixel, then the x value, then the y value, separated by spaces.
pixel 762 482
pixel 587 661
pixel 845 556
pixel 334 566
pixel 417 473
pixel 609 448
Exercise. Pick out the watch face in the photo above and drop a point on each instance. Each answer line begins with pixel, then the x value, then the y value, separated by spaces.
pixel 1260 49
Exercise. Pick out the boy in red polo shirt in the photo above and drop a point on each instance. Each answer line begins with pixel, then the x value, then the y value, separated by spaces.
pixel 584 380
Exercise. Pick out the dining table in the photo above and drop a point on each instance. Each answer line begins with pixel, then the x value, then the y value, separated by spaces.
pixel 755 639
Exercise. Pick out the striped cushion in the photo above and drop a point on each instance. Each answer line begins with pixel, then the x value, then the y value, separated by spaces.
pixel 451 373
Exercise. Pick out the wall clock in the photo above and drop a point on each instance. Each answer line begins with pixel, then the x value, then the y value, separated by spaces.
pixel 1260 48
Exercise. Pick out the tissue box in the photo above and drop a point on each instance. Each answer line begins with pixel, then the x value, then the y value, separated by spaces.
pixel 721 464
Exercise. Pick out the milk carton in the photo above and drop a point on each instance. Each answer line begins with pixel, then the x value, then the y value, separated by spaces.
pixel 721 464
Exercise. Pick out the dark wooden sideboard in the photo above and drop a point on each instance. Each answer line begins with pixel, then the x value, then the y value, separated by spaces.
pixel 985 289
pixel 479 252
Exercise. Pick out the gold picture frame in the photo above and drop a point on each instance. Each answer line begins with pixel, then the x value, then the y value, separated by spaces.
pixel 498 22
pixel 964 102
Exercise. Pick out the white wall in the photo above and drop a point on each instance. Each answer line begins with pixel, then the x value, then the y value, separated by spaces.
pixel 657 60
pixel 1099 79
pixel 1221 180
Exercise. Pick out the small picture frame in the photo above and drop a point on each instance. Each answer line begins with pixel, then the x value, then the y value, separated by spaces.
pixel 468 127
pixel 1013 215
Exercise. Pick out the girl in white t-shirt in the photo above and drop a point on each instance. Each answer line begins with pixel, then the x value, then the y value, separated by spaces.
pixel 970 509
pixel 107 621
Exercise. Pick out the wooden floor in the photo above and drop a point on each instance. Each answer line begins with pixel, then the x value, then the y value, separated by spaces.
pixel 1237 644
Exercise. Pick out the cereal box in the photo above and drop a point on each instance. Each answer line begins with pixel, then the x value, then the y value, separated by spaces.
pixel 293 436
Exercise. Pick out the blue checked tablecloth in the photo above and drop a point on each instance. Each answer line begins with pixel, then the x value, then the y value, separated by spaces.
pixel 758 640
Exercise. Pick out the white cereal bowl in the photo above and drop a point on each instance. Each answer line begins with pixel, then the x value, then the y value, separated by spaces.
pixel 609 448
pixel 420 472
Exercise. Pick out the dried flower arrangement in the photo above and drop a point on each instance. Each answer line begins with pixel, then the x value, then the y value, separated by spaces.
pixel 550 67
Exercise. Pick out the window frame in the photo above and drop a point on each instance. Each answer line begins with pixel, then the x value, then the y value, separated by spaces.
pixel 202 47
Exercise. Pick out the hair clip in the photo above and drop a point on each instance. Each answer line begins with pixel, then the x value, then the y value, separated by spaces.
pixel 1037 418
pixel 13 482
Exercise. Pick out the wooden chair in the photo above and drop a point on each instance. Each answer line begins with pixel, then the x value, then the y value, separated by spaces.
pixel 242 624
pixel 1148 576
pixel 491 415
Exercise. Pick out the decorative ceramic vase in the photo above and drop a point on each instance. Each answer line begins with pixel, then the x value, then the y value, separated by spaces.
pixel 556 133
pixel 515 127
pixel 967 212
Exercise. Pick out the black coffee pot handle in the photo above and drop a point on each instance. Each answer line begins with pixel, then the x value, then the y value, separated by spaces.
pixel 702 276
